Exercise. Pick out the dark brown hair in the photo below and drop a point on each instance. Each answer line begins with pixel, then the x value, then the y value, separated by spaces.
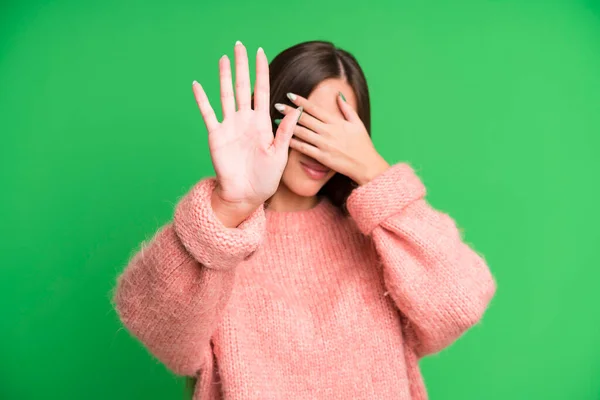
pixel 299 69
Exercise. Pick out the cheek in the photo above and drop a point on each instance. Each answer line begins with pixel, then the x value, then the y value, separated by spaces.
pixel 292 162
pixel 293 157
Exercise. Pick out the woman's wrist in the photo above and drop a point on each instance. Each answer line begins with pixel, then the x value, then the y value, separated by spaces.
pixel 377 166
pixel 231 214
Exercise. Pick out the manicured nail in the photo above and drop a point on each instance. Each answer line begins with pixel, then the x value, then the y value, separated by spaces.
pixel 277 121
pixel 301 111
pixel 342 95
pixel 194 83
pixel 260 50
pixel 279 107
pixel 291 96
pixel 238 42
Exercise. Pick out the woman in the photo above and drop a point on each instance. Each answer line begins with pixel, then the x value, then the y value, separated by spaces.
pixel 308 268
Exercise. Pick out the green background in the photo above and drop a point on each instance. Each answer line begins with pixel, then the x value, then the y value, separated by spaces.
pixel 497 104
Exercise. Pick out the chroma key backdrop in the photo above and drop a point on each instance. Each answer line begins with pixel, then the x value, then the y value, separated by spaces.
pixel 495 103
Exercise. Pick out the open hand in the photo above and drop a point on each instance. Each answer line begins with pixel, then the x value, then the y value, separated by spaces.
pixel 248 159
pixel 342 144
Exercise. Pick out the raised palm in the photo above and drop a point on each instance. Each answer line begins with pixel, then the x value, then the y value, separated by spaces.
pixel 248 159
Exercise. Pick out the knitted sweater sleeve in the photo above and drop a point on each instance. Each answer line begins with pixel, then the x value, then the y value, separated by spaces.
pixel 173 290
pixel 440 284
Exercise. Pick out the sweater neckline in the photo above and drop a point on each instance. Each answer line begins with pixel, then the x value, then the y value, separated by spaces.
pixel 324 213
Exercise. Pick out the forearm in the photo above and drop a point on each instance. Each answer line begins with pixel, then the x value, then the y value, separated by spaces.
pixel 440 283
pixel 171 303
pixel 174 289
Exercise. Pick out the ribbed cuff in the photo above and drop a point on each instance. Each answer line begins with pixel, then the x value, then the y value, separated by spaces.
pixel 206 238
pixel 384 196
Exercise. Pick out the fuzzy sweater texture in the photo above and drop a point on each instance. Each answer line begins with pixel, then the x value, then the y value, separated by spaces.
pixel 309 304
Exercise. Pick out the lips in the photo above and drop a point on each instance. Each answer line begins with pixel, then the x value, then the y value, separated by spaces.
pixel 315 165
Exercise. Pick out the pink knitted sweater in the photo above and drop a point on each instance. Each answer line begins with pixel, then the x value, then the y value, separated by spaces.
pixel 308 304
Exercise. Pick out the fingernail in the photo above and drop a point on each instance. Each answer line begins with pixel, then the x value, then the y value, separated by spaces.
pixel 194 83
pixel 291 96
pixel 342 95
pixel 279 107
pixel 277 121
pixel 260 50
pixel 238 42
pixel 301 111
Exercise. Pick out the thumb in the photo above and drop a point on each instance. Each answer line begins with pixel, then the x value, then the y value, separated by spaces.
pixel 284 133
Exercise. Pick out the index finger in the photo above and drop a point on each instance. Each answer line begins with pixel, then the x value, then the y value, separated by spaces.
pixel 311 108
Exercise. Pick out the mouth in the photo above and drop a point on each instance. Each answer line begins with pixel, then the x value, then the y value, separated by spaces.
pixel 314 169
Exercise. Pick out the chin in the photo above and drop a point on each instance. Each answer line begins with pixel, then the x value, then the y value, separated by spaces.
pixel 303 188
